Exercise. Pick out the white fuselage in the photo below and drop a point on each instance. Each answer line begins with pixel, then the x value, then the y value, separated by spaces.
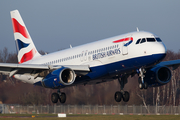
pixel 105 53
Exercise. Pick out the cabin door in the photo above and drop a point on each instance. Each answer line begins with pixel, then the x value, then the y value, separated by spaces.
pixel 124 48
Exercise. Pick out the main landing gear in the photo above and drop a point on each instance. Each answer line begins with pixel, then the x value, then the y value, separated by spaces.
pixel 58 96
pixel 142 84
pixel 122 94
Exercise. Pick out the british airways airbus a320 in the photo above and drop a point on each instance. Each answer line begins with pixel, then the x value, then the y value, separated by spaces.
pixel 113 58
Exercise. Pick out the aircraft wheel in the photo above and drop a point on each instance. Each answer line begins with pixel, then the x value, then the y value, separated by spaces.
pixel 118 96
pixel 145 85
pixel 141 86
pixel 126 96
pixel 62 98
pixel 54 97
pixel 139 80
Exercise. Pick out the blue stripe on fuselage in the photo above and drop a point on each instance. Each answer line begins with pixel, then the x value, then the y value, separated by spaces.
pixel 119 67
pixel 126 65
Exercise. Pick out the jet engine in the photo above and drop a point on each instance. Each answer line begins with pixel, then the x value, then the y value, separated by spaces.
pixel 60 77
pixel 157 76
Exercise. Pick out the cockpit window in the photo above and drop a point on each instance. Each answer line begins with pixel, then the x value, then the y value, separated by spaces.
pixel 138 41
pixel 143 40
pixel 158 39
pixel 150 40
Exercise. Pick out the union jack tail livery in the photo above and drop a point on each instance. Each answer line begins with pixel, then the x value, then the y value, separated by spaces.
pixel 24 44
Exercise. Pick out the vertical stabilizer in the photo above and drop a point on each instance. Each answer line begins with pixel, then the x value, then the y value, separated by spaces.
pixel 24 44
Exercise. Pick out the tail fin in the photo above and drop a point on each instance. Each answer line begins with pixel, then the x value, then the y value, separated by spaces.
pixel 24 44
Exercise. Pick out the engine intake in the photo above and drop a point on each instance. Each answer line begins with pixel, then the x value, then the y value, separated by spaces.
pixel 158 76
pixel 58 78
pixel 163 75
pixel 67 76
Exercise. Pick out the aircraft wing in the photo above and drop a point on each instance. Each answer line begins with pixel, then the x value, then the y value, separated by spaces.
pixel 36 69
pixel 173 63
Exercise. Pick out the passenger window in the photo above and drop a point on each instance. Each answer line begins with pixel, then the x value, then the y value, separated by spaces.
pixel 158 39
pixel 151 40
pixel 138 41
pixel 143 40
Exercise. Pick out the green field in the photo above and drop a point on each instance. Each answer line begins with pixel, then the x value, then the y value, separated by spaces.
pixel 88 117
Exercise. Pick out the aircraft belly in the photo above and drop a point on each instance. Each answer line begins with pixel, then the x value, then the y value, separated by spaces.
pixel 131 64
pixel 98 70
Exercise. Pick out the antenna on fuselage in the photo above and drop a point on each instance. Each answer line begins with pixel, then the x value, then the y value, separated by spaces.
pixel 137 29
pixel 70 46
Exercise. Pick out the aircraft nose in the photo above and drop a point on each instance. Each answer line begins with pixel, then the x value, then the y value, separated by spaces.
pixel 163 48
pixel 160 51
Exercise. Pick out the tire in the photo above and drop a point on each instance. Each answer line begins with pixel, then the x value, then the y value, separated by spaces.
pixel 118 96
pixel 126 96
pixel 62 98
pixel 145 85
pixel 54 97
pixel 141 86
pixel 139 80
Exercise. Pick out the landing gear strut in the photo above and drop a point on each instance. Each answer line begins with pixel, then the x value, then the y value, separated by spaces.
pixel 58 96
pixel 142 83
pixel 122 94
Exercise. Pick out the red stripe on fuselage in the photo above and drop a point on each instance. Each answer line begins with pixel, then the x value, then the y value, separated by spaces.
pixel 17 27
pixel 124 39
pixel 28 56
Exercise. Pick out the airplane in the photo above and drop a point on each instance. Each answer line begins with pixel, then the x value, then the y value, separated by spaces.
pixel 115 58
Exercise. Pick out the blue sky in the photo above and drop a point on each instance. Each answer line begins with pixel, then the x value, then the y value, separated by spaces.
pixel 55 24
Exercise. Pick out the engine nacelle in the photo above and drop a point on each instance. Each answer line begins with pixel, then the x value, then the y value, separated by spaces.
pixel 157 76
pixel 60 77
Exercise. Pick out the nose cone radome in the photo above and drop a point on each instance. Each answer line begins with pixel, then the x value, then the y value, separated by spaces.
pixel 160 51
pixel 162 48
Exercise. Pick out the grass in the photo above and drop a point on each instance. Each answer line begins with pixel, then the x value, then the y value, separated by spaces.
pixel 87 117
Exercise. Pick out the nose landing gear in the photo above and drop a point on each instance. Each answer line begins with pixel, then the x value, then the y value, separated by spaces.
pixel 142 84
